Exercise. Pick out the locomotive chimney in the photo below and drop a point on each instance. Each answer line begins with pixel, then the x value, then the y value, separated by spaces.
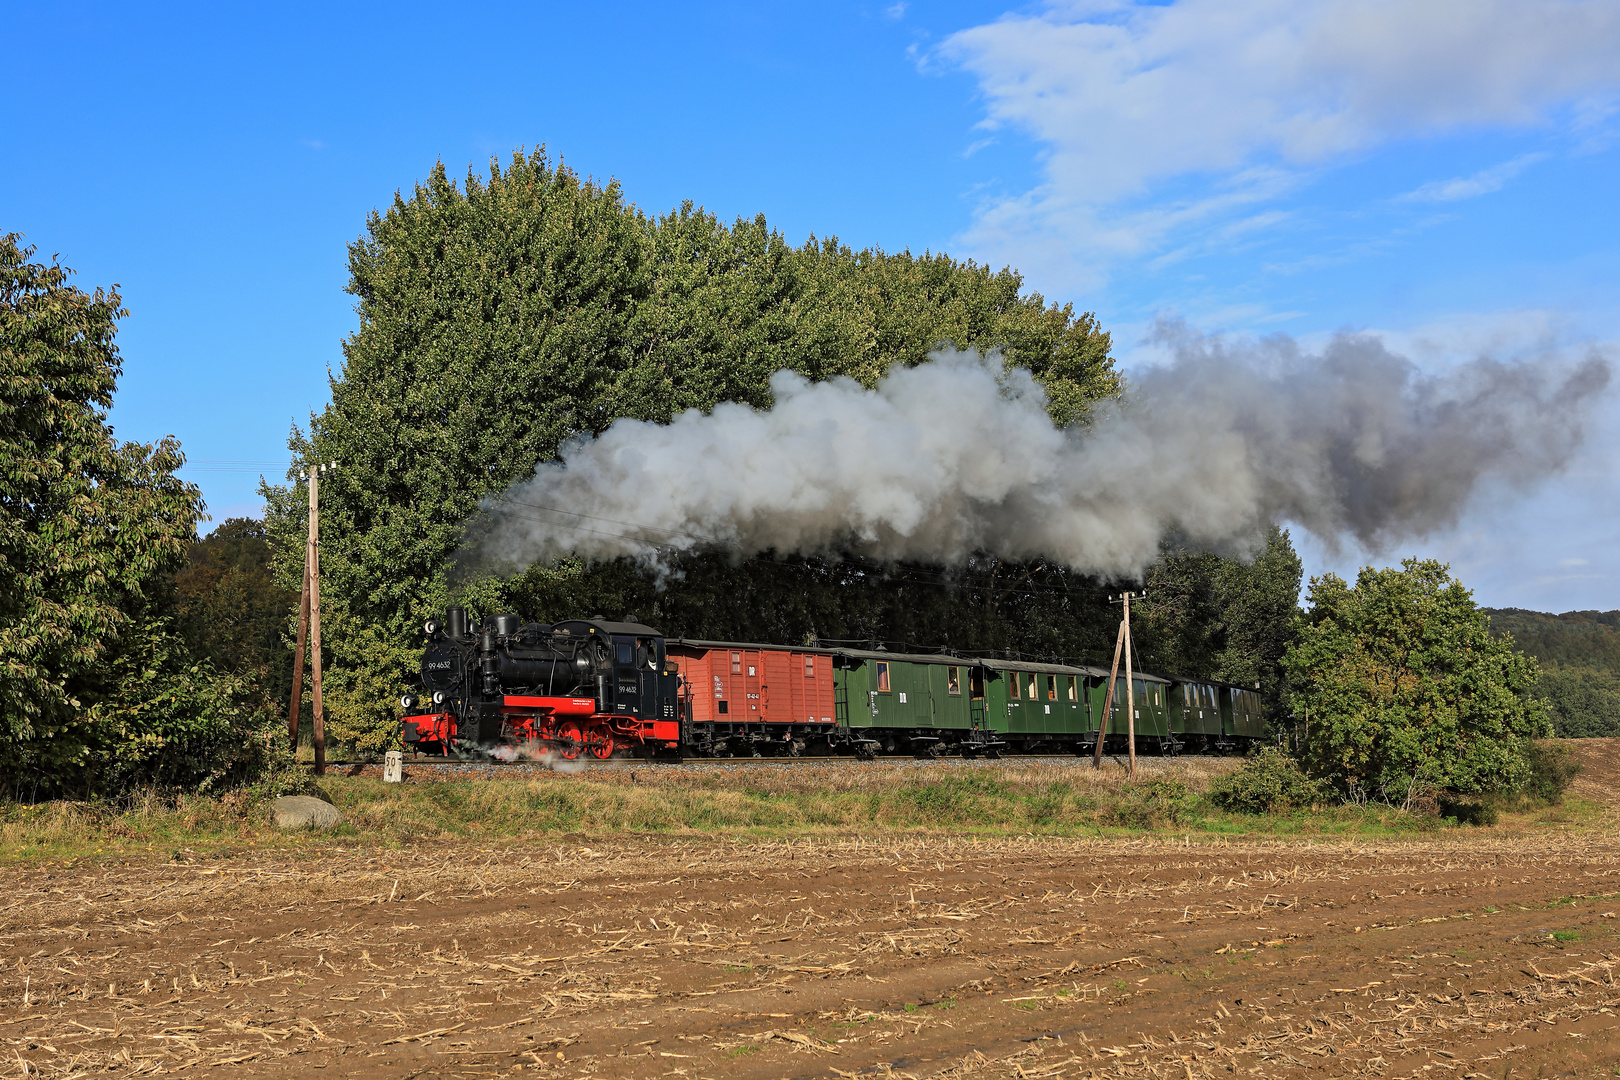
pixel 455 623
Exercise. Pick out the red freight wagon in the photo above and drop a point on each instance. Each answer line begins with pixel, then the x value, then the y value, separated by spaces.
pixel 739 695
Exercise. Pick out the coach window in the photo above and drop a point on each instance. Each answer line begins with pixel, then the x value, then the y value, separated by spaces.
pixel 1012 685
pixel 1051 688
pixel 809 667
pixel 953 681
pixel 1034 692
pixel 736 663
pixel 883 676
pixel 1073 693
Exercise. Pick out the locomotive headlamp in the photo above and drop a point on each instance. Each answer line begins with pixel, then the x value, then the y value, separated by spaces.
pixel 438 697
pixel 430 628
pixel 407 702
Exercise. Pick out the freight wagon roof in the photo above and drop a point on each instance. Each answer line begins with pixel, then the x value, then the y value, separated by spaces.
pixel 701 643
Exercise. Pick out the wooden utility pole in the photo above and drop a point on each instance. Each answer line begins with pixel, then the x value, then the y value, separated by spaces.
pixel 1108 700
pixel 1121 643
pixel 312 560
pixel 1130 683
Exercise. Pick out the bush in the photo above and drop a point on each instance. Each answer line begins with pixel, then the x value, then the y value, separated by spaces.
pixel 1465 812
pixel 1552 769
pixel 1160 801
pixel 1404 688
pixel 1269 782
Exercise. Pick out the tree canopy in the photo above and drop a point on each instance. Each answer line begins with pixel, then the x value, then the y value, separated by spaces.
pixel 1224 618
pixel 97 691
pixel 503 315
pixel 1403 689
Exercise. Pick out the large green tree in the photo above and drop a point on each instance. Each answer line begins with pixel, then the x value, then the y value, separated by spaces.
pixel 97 690
pixel 1403 689
pixel 503 315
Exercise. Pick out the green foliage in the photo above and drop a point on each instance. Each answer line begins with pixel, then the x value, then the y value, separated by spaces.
pixel 1148 804
pixel 1552 768
pixel 1224 618
pixel 1581 639
pixel 1404 690
pixel 1470 811
pixel 1584 702
pixel 1579 652
pixel 502 316
pixel 230 609
pixel 1269 782
pixel 97 692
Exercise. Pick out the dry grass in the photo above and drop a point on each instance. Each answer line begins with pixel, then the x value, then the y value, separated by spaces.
pixel 811 799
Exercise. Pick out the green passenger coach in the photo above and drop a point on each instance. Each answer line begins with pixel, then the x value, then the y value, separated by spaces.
pixel 743 698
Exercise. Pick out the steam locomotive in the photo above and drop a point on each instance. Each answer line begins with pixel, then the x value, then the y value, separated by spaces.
pixel 597 688
pixel 579 686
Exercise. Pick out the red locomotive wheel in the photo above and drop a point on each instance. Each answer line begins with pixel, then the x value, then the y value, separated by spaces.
pixel 570 738
pixel 599 742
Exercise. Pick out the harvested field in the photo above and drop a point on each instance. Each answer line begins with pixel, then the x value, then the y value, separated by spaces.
pixel 1463 952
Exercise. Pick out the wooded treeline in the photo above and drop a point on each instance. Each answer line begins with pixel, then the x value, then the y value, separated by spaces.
pixel 507 313
pixel 1579 653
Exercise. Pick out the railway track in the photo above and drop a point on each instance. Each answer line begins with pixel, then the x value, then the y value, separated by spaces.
pixel 458 769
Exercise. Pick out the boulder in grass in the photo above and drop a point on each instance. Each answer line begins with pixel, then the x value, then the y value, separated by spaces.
pixel 304 812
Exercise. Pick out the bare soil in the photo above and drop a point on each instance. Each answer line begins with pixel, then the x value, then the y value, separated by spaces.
pixel 1467 953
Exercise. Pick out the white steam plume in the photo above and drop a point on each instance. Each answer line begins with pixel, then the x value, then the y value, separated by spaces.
pixel 956 456
pixel 538 752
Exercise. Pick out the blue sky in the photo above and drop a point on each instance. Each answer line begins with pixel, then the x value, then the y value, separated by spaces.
pixel 1443 175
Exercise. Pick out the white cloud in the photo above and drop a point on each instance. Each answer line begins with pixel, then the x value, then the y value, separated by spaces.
pixel 1467 187
pixel 1251 95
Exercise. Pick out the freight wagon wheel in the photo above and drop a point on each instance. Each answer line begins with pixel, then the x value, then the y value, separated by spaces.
pixel 599 742
pixel 569 739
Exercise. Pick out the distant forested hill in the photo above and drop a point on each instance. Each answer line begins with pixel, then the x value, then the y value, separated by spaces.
pixel 1579 653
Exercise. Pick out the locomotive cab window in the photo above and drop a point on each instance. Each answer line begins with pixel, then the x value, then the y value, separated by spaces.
pixel 883 676
pixel 953 681
pixel 626 653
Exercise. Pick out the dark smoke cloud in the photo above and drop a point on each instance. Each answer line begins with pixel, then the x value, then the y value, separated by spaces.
pixel 958 455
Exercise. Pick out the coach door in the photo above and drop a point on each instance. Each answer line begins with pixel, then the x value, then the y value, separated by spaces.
pixel 976 697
